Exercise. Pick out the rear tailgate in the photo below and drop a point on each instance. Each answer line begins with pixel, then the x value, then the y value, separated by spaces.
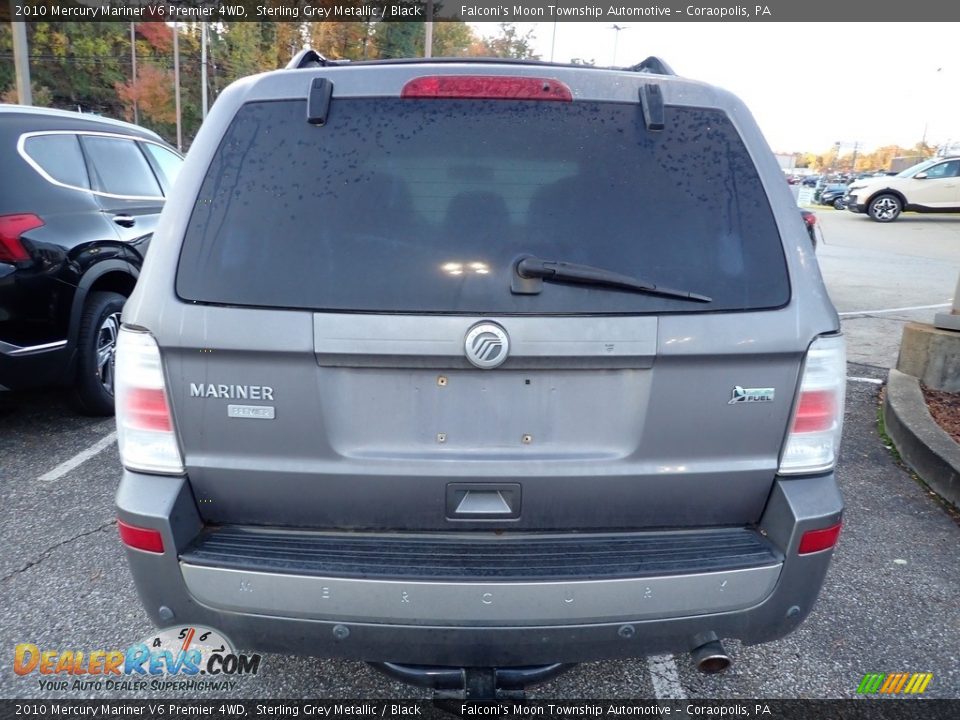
pixel 379 437
pixel 330 275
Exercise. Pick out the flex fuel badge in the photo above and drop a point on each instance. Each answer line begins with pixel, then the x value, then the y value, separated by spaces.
pixel 748 395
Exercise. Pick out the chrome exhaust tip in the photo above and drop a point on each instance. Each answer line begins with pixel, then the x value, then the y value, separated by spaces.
pixel 710 657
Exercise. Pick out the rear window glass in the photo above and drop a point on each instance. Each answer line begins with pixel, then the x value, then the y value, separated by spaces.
pixel 424 205
pixel 120 167
pixel 167 160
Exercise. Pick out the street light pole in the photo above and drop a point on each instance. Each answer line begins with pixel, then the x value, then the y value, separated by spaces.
pixel 21 59
pixel 203 71
pixel 428 41
pixel 133 73
pixel 616 40
pixel 926 124
pixel 176 83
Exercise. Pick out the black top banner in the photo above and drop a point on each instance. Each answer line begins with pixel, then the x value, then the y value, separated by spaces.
pixel 480 11
pixel 449 709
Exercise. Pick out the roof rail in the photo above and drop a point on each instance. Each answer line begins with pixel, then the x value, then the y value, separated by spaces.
pixel 307 58
pixel 653 65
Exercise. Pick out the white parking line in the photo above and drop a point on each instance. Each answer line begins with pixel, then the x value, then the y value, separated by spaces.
pixel 81 457
pixel 665 678
pixel 872 381
pixel 892 310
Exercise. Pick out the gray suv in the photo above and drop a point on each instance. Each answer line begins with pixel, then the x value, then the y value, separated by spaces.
pixel 474 370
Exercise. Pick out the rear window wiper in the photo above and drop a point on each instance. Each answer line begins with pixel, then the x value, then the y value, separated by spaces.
pixel 530 272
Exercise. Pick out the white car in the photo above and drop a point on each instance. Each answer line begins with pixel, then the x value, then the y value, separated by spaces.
pixel 930 186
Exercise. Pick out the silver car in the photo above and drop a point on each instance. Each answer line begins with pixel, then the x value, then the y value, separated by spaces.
pixel 474 370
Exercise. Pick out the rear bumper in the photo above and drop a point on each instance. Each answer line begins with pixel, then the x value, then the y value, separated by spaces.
pixel 482 622
pixel 26 367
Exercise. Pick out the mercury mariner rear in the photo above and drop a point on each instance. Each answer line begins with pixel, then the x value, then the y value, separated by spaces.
pixel 480 365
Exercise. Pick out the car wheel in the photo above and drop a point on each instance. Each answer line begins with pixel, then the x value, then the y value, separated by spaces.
pixel 885 208
pixel 838 204
pixel 96 346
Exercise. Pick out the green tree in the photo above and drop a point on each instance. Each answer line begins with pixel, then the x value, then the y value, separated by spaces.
pixel 42 97
pixel 239 50
pixel 78 62
pixel 343 40
pixel 399 39
pixel 453 39
pixel 509 43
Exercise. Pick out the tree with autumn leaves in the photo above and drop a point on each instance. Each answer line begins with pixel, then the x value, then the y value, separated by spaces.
pixel 879 159
pixel 88 66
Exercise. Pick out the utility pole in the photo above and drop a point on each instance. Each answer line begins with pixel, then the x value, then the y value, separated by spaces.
pixel 133 73
pixel 21 59
pixel 853 165
pixel 176 83
pixel 616 40
pixel 428 41
pixel 203 70
pixel 553 40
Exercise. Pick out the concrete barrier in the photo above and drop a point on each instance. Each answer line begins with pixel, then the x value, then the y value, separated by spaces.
pixel 932 355
pixel 923 445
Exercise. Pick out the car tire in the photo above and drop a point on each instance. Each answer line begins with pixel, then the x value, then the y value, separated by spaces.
pixel 885 208
pixel 96 346
pixel 838 204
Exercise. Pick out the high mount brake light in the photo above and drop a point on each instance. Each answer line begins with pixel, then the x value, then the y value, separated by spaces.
pixel 11 228
pixel 487 87
pixel 144 422
pixel 814 438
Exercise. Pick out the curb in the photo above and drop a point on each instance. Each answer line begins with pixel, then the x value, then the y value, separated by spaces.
pixel 922 444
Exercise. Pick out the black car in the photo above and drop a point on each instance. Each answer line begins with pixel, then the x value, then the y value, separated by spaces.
pixel 833 194
pixel 79 202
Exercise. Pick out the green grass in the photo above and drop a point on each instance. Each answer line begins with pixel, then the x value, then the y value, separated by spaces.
pixel 886 439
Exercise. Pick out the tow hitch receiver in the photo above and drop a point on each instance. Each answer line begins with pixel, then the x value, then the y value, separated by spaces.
pixel 473 683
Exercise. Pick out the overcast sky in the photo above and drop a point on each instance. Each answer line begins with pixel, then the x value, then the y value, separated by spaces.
pixel 808 84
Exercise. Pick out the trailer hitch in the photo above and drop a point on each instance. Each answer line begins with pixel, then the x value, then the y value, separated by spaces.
pixel 473 683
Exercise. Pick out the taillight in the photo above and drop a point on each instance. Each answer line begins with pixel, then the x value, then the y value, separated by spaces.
pixel 144 423
pixel 11 228
pixel 814 438
pixel 816 411
pixel 147 408
pixel 810 219
pixel 489 87
pixel 140 538
pixel 816 540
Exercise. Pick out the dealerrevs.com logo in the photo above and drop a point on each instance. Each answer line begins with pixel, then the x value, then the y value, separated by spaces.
pixel 176 658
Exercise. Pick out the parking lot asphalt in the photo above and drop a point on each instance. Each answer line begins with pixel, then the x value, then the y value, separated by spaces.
pixel 889 603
